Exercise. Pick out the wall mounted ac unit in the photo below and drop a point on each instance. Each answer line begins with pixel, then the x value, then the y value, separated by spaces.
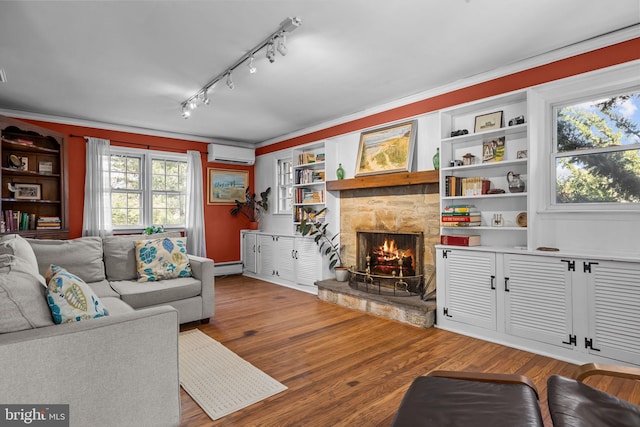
pixel 230 154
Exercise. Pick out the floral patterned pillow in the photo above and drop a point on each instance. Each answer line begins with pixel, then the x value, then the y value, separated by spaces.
pixel 70 298
pixel 164 258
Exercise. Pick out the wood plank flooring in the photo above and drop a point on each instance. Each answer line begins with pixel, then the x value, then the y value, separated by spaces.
pixel 344 367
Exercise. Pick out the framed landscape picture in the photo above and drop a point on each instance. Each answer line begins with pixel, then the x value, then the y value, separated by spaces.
pixel 225 186
pixel 388 149
pixel 27 191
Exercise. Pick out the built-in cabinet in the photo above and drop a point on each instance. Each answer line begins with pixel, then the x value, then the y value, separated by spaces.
pixel 479 151
pixel 576 308
pixel 288 260
pixel 34 200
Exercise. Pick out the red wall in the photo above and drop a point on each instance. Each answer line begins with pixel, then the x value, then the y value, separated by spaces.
pixel 222 229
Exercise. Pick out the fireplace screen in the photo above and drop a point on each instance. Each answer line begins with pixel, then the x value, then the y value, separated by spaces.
pixel 389 263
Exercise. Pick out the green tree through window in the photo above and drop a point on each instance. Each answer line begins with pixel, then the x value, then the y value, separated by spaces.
pixel 597 157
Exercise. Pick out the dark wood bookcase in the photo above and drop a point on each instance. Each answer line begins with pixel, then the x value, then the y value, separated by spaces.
pixel 34 159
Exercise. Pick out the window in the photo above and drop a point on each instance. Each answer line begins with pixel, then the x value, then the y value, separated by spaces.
pixel 285 185
pixel 596 155
pixel 147 188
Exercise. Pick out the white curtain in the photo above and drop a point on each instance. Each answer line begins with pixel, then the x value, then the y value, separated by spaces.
pixel 196 243
pixel 97 189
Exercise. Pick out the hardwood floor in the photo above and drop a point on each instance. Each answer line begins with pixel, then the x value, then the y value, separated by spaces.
pixel 343 367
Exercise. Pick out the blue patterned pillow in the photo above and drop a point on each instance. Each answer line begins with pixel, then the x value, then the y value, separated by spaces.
pixel 164 258
pixel 70 298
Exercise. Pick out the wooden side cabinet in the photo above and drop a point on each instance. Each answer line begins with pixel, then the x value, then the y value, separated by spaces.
pixel 34 198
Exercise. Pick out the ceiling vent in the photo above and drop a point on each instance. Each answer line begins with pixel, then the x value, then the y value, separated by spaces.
pixel 230 154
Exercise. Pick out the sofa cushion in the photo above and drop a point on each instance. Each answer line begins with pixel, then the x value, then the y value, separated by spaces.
pixel 138 294
pixel 23 304
pixel 81 256
pixel 14 244
pixel 103 289
pixel 70 298
pixel 115 306
pixel 164 258
pixel 120 255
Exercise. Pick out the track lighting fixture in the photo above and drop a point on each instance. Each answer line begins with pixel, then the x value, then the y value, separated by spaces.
pixel 282 44
pixel 252 68
pixel 229 80
pixel 271 52
pixel 276 41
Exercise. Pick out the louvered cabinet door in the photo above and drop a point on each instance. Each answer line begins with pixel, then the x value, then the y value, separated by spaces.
pixel 470 282
pixel 308 261
pixel 613 294
pixel 285 262
pixel 266 258
pixel 538 299
pixel 249 251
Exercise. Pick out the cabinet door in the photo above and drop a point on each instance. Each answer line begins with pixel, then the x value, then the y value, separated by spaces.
pixel 308 262
pixel 249 250
pixel 538 300
pixel 266 257
pixel 284 253
pixel 470 295
pixel 613 294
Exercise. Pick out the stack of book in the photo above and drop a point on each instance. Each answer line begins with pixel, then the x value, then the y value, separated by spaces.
pixel 48 223
pixel 470 186
pixel 17 220
pixel 306 195
pixel 460 216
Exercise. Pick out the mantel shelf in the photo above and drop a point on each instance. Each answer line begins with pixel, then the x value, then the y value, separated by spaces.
pixel 385 180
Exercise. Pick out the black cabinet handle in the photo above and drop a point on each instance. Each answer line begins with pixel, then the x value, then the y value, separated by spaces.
pixel 506 284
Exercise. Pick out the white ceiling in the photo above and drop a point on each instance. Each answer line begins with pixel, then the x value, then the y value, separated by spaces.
pixel 131 63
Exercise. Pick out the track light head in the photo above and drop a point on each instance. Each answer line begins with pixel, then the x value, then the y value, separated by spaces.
pixel 185 111
pixel 271 52
pixel 282 43
pixel 252 68
pixel 229 81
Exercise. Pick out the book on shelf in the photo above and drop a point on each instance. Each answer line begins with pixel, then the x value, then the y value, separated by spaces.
pixel 472 240
pixel 493 149
pixel 469 186
pixel 48 223
pixel 461 224
pixel 460 218
pixel 460 209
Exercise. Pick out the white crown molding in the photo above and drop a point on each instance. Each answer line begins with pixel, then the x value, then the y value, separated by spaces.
pixel 117 128
pixel 599 42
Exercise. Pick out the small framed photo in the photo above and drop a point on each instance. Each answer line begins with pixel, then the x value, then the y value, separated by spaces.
pixel 521 154
pixel 226 186
pixel 45 167
pixel 487 122
pixel 27 191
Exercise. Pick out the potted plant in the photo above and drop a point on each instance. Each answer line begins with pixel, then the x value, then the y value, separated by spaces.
pixel 251 207
pixel 327 245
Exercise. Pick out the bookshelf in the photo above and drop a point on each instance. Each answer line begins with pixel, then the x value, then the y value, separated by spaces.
pixel 474 168
pixel 34 196
pixel 309 181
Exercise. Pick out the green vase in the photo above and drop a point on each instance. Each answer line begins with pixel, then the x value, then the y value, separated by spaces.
pixel 436 159
pixel 340 171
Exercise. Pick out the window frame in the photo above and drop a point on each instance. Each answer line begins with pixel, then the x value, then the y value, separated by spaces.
pixel 278 193
pixel 146 180
pixel 554 154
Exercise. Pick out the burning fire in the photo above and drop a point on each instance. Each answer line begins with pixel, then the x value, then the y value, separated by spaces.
pixel 389 251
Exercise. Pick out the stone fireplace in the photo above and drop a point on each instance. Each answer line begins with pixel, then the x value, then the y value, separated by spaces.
pixel 412 210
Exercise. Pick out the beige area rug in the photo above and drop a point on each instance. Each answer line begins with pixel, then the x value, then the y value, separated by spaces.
pixel 219 380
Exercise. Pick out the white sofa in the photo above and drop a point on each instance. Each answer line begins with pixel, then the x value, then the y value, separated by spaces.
pixel 117 370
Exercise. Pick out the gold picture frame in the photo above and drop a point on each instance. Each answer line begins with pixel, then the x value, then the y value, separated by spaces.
pixel 487 122
pixel 386 150
pixel 225 186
